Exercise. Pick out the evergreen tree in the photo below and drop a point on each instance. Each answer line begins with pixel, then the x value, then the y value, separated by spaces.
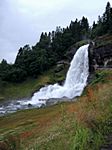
pixel 104 24
pixel 106 18
pixel 84 28
pixel 52 46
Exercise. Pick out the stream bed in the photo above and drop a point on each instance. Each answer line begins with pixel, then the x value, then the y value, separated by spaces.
pixel 11 106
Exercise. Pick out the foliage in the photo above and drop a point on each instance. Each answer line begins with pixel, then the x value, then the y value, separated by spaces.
pixel 101 77
pixel 80 124
pixel 52 47
pixel 30 85
pixel 104 23
pixel 31 62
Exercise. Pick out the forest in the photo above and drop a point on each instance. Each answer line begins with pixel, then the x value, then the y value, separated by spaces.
pixel 52 47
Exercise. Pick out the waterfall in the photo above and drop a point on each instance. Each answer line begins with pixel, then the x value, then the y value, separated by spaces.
pixel 75 82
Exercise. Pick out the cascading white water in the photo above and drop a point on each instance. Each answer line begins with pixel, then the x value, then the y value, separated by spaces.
pixel 74 84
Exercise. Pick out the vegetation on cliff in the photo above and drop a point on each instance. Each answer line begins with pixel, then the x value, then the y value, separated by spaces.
pixel 52 47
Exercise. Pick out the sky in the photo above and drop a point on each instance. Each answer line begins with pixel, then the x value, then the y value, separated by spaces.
pixel 22 21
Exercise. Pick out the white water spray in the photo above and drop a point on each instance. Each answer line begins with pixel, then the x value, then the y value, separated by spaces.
pixel 75 82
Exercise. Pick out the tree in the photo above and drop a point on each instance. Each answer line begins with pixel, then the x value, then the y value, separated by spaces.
pixel 4 68
pixel 75 29
pixel 15 75
pixel 84 28
pixel 24 58
pixel 106 17
pixel 45 41
pixel 104 24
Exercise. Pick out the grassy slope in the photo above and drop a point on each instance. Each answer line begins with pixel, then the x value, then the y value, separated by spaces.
pixel 25 89
pixel 79 125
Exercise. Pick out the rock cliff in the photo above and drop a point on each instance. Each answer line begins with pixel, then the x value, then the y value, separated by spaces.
pixel 100 57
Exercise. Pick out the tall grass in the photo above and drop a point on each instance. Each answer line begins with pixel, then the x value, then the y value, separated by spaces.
pixel 79 125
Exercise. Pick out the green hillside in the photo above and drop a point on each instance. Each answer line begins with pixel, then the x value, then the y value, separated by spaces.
pixel 84 123
pixel 72 125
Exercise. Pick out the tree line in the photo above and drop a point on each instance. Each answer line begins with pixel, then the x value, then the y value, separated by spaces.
pixel 52 46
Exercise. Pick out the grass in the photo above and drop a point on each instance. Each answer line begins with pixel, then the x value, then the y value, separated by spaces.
pixel 28 87
pixel 76 125
pixel 103 76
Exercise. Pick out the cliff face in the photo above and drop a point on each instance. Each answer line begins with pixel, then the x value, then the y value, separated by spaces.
pixel 73 49
pixel 100 57
pixel 100 52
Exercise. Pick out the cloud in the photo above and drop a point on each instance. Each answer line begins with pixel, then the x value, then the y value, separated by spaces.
pixel 22 21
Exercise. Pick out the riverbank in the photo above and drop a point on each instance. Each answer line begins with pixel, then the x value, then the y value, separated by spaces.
pixel 68 125
pixel 11 91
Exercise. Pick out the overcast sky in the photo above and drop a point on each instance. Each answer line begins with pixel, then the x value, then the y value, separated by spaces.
pixel 22 21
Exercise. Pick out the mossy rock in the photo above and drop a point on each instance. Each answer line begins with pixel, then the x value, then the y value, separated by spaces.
pixel 2 98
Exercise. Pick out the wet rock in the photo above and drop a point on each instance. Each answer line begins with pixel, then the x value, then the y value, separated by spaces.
pixel 17 103
pixel 71 52
pixel 29 105
pixel 100 57
pixel 43 106
pixel 51 101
